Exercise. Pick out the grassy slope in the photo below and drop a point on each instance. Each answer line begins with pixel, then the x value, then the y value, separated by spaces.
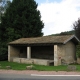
pixel 19 66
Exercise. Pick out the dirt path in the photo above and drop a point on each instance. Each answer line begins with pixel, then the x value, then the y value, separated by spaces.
pixel 39 72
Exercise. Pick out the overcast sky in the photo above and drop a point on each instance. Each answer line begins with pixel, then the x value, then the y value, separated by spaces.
pixel 58 15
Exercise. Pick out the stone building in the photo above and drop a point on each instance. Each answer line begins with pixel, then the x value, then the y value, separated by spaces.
pixel 46 50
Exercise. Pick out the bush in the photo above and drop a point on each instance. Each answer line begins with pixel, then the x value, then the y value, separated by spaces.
pixel 78 51
pixel 3 57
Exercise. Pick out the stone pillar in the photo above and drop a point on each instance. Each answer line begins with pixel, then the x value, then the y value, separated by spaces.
pixel 28 52
pixel 55 55
pixel 9 53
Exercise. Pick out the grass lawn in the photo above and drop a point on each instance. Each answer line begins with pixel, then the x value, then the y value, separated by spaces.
pixel 19 66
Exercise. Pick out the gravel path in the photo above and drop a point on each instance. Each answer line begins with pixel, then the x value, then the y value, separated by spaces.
pixel 28 72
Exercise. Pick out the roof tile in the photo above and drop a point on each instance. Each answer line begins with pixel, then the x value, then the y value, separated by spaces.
pixel 44 39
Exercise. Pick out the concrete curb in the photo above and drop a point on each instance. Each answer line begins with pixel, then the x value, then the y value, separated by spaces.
pixel 52 75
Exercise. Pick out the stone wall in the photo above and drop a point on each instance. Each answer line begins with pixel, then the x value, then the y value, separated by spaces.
pixel 12 52
pixel 66 53
pixel 16 51
pixel 70 52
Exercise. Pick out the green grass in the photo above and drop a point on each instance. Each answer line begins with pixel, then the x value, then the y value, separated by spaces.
pixel 19 66
pixel 15 66
pixel 50 68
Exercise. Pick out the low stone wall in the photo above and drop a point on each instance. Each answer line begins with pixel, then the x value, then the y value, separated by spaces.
pixel 78 60
pixel 41 62
pixel 31 61
pixel 27 61
pixel 18 60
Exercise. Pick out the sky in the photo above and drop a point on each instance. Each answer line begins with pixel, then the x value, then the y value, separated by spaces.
pixel 58 15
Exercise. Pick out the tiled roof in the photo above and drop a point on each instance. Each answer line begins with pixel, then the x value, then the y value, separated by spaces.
pixel 44 40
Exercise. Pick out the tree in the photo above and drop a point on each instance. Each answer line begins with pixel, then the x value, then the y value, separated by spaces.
pixel 68 32
pixel 3 6
pixel 76 26
pixel 21 19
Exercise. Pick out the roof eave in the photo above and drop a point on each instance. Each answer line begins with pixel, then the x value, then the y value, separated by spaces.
pixel 31 44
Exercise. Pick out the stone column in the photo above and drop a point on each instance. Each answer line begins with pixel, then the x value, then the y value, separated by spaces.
pixel 55 55
pixel 28 52
pixel 9 53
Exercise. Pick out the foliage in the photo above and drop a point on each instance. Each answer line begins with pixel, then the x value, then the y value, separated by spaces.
pixel 78 50
pixel 76 26
pixel 68 32
pixel 3 6
pixel 65 33
pixel 21 19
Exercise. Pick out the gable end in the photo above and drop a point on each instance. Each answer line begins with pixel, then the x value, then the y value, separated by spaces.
pixel 73 38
